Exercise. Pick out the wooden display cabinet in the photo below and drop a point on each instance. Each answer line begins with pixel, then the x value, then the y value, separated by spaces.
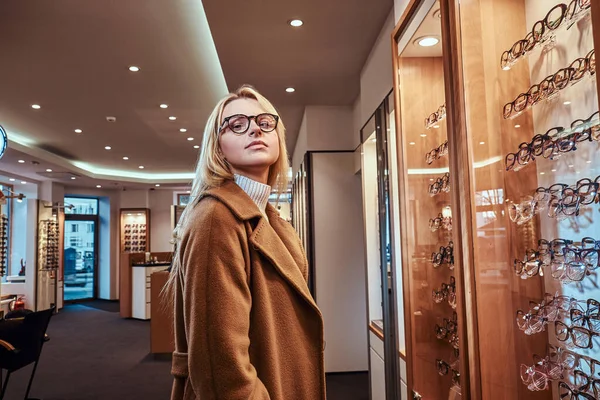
pixel 490 235
pixel 134 230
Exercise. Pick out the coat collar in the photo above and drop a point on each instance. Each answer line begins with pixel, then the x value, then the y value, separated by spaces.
pixel 274 238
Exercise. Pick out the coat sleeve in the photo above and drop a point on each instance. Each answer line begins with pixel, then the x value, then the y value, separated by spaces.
pixel 217 302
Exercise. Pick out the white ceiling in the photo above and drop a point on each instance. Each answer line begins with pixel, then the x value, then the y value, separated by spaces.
pixel 72 58
pixel 430 26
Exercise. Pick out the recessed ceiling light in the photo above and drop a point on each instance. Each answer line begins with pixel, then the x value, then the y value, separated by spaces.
pixel 481 142
pixel 423 135
pixel 296 23
pixel 290 90
pixel 412 143
pixel 78 131
pixel 73 178
pixel 553 170
pixel 133 68
pixel 542 173
pixel 11 179
pixel 21 161
pixel 98 186
pixel 183 130
pixel 107 147
pixel 517 126
pixel 157 185
pixel 436 126
pixel 189 191
pixel 125 158
pixel 164 106
pixel 566 103
pixel 196 146
pixel 36 106
pixel 589 161
pixel 172 118
pixel 430 179
pixel 571 165
pixel 427 41
pixel 23 182
pixel 190 138
pixel 48 170
pixel 141 167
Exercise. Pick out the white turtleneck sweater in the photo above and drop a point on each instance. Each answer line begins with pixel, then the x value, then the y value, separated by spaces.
pixel 258 192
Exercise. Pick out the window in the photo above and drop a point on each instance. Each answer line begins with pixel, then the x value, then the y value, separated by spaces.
pixel 81 206
pixel 74 228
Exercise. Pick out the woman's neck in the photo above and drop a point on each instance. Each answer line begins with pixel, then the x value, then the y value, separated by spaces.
pixel 258 176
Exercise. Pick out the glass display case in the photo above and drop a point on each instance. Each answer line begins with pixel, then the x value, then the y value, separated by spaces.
pixel 499 133
pixel 429 265
pixel 380 212
pixel 135 230
pixel 532 137
pixel 301 215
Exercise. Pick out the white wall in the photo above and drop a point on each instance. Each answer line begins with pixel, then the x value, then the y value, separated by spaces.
pixel 324 128
pixel 329 128
pixel 376 78
pixel 399 8
pixel 339 261
pixel 301 146
pixel 160 220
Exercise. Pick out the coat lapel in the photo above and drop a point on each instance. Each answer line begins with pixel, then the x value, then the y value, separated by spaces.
pixel 267 239
pixel 273 240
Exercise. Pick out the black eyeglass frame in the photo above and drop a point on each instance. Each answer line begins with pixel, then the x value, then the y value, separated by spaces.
pixel 249 118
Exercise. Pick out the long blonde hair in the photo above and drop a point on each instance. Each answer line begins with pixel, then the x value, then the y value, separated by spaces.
pixel 212 170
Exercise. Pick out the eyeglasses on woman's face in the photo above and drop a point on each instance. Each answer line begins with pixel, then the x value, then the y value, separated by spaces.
pixel 240 123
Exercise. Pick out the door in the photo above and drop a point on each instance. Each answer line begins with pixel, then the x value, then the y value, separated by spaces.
pixel 80 266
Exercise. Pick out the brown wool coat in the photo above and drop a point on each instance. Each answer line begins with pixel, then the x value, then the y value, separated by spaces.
pixel 246 325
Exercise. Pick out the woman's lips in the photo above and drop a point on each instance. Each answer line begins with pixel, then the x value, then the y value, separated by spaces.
pixel 257 143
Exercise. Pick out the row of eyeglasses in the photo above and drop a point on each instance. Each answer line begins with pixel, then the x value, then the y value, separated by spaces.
pixel 448 330
pixel 554 142
pixel 444 368
pixel 568 262
pixel 583 316
pixel 560 364
pixel 444 256
pixel 561 200
pixel 440 222
pixel 446 292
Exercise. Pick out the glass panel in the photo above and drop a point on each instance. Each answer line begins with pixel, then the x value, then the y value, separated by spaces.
pixel 80 205
pixel 134 231
pixel 427 239
pixel 533 138
pixel 79 259
pixel 371 218
pixel 6 268
pixel 394 217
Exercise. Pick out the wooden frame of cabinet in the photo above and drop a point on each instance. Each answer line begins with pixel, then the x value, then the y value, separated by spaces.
pixel 463 65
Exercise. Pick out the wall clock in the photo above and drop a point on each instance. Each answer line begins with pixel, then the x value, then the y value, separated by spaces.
pixel 3 141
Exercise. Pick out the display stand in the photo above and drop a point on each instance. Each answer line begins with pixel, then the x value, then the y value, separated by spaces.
pixel 520 88
pixel 127 260
pixel 49 256
pixel 134 230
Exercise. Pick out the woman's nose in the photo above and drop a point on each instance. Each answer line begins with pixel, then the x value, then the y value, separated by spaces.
pixel 254 128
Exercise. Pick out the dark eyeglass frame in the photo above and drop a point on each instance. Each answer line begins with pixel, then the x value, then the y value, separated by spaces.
pixel 249 118
pixel 570 333
pixel 565 390
pixel 549 87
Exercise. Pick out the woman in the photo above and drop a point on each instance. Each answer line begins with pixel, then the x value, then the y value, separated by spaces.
pixel 246 326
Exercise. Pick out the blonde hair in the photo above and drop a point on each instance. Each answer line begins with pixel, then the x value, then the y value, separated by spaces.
pixel 212 170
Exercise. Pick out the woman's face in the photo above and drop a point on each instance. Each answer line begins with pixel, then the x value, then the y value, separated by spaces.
pixel 253 152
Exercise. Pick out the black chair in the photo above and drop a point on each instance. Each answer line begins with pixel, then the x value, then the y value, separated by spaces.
pixel 21 342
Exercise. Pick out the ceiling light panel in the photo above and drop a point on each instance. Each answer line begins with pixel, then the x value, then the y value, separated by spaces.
pixel 296 23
